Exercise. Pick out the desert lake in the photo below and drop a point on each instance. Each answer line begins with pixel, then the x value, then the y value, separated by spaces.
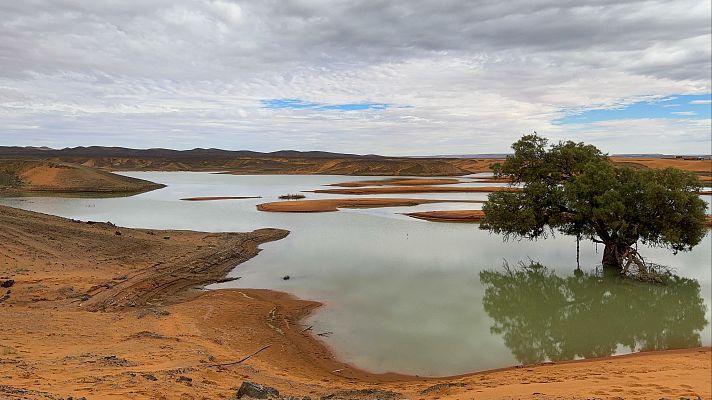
pixel 418 297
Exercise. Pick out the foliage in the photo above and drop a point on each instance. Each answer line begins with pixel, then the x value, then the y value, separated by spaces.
pixel 573 188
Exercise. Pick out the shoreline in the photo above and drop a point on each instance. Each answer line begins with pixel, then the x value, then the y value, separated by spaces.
pixel 162 337
pixel 360 373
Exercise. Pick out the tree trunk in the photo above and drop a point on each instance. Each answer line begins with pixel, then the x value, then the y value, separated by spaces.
pixel 613 256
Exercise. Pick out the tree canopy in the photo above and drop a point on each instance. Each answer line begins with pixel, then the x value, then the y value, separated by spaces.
pixel 573 188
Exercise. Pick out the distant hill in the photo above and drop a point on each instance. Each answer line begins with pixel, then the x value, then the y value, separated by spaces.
pixel 101 151
pixel 248 162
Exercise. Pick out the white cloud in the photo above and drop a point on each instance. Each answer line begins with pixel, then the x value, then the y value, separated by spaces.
pixel 701 102
pixel 474 76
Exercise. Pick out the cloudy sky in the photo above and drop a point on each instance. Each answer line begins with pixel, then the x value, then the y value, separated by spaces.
pixel 390 77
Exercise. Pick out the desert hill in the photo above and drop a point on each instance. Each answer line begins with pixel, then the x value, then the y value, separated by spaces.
pixel 297 162
pixel 53 176
pixel 249 162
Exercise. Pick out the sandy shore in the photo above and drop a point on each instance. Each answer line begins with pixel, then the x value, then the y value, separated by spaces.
pixel 415 189
pixel 450 215
pixel 160 337
pixel 471 216
pixel 400 182
pixel 330 205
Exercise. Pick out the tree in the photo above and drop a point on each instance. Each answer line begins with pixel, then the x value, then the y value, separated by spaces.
pixel 573 188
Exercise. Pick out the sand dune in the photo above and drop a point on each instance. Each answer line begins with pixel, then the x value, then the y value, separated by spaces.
pixel 700 166
pixel 50 176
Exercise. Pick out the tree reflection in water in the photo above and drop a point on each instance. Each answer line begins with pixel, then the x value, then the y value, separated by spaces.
pixel 546 317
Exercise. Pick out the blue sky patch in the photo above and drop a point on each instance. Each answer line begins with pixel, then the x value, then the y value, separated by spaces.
pixel 671 107
pixel 296 104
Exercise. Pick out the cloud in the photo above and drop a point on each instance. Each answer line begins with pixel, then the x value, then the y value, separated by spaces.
pixel 701 102
pixel 686 113
pixel 473 75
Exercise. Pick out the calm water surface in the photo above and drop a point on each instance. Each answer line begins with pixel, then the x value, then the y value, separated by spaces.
pixel 418 297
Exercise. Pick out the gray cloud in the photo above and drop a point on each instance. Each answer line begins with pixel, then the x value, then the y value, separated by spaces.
pixel 474 75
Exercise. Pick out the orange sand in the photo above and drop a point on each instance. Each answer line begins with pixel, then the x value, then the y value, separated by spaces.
pixel 399 182
pixel 328 205
pixel 416 189
pixel 450 215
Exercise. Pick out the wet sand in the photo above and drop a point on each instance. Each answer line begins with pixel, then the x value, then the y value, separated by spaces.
pixel 415 189
pixel 450 215
pixel 400 182
pixel 331 205
pixel 161 337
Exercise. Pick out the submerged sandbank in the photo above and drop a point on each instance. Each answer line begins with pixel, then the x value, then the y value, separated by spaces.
pixel 400 182
pixel 450 215
pixel 416 189
pixel 330 205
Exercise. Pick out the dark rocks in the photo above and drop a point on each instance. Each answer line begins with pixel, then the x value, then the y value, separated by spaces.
pixel 149 377
pixel 114 361
pixel 227 279
pixel 117 233
pixel 85 297
pixel 7 283
pixel 184 379
pixel 286 277
pixel 256 391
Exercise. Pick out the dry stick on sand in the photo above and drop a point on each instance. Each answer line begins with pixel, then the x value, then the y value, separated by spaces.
pixel 239 361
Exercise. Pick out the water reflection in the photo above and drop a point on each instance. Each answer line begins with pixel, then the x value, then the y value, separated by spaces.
pixel 545 317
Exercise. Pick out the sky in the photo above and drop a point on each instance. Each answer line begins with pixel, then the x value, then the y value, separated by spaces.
pixel 405 77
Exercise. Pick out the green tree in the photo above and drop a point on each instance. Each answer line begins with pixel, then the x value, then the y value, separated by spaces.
pixel 574 189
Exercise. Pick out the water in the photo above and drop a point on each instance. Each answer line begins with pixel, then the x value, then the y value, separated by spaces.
pixel 418 297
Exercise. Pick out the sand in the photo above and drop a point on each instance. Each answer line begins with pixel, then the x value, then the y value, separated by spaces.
pixel 160 337
pixel 699 166
pixel 450 215
pixel 330 205
pixel 39 177
pixel 400 182
pixel 416 189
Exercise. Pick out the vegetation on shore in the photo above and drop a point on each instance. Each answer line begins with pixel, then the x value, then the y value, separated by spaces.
pixel 574 189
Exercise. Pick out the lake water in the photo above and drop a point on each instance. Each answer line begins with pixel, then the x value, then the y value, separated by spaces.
pixel 420 297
